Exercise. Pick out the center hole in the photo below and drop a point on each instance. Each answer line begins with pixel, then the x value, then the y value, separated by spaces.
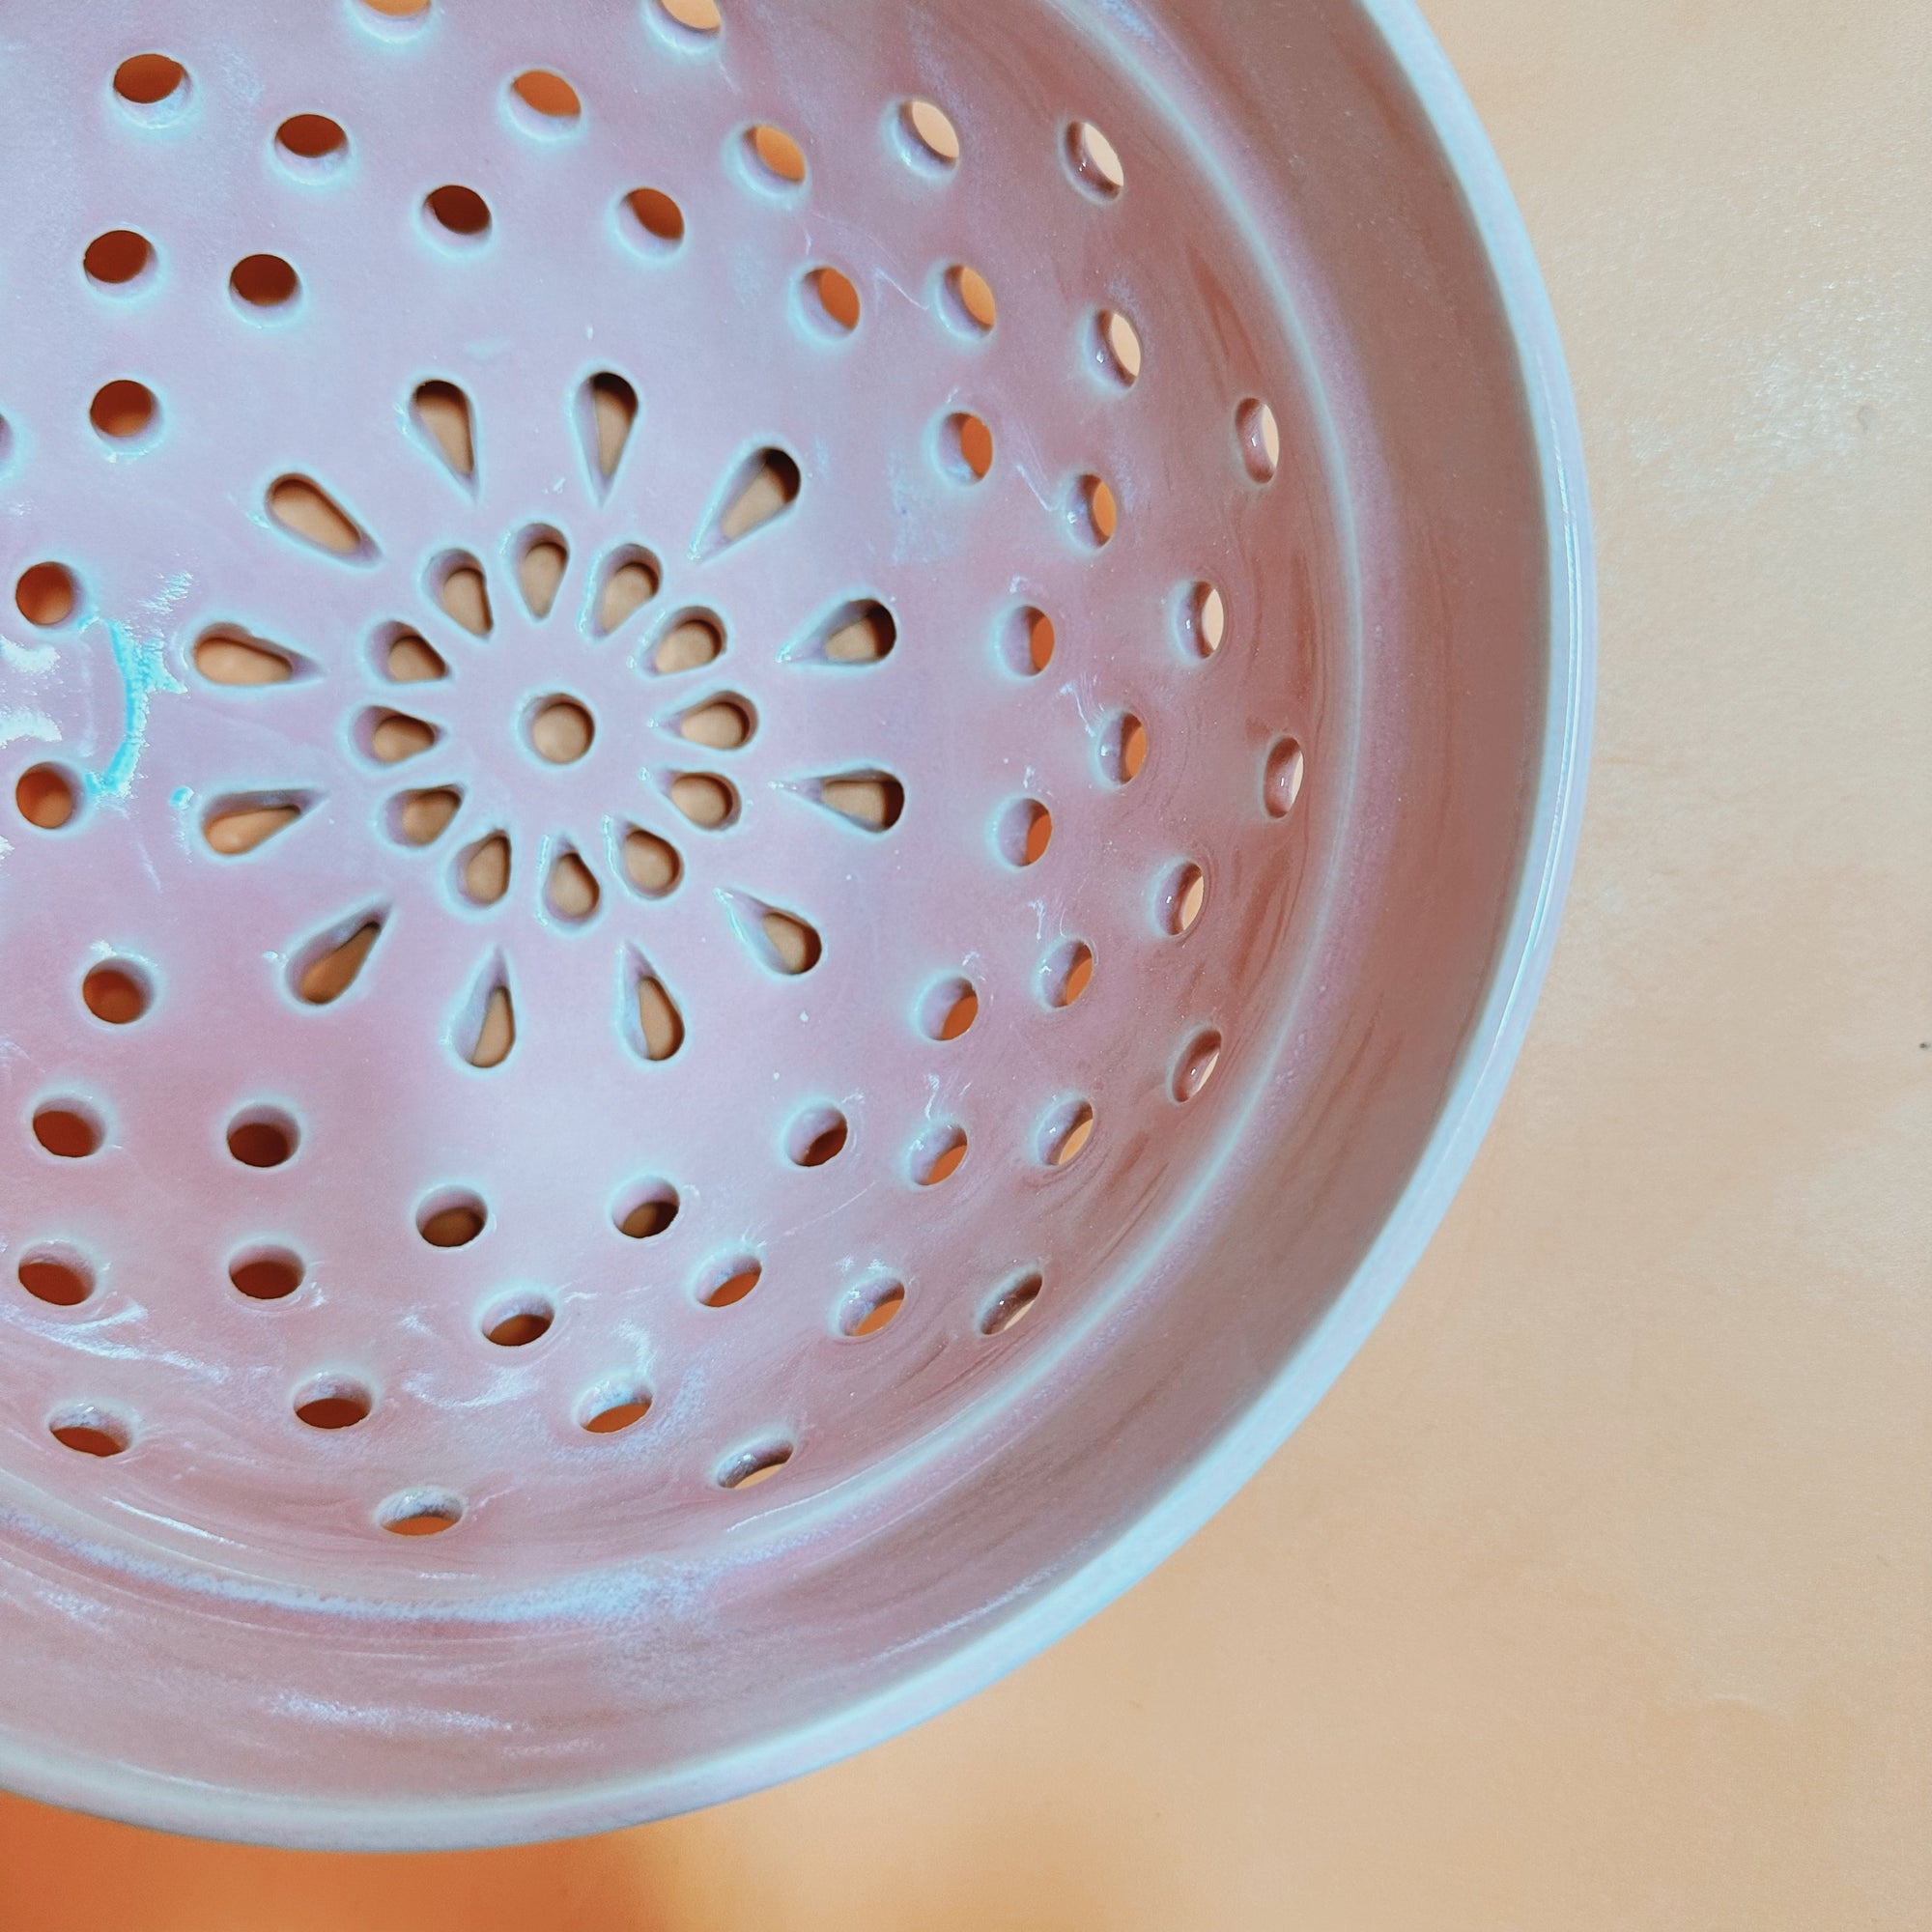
pixel 562 731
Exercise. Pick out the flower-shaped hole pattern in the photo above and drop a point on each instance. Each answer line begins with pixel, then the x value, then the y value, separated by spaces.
pixel 609 774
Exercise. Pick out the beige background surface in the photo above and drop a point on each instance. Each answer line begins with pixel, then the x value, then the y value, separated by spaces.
pixel 1599 1592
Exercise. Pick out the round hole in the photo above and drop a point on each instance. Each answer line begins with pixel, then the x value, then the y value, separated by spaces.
pixel 619 1407
pixel 458 211
pixel 868 1310
pixel 562 731
pixel 266 1275
pixel 774 158
pixel 1025 831
pixel 647 1211
pixel 967 301
pixel 653 220
pixel 1259 439
pixel 730 1282
pixel 750 1466
pixel 1123 745
pixel 1025 641
pixel 1011 1305
pixel 452 1220
pixel 146 80
pixel 516 1324
pixel 949 1008
pixel 1066 974
pixel 1065 1133
pixel 69 1130
pixel 263 1139
pixel 695 16
pixel 46 594
pixel 708 801
pixel 1093 512
pixel 1196 1065
pixel 420 1513
pixel 830 301
pixel 332 1403
pixel 91 1431
pixel 264 281
pixel 47 797
pixel 122 410
pixel 1116 348
pixel 117 992
pixel 928 136
pixel 117 258
pixel 1281 777
pixel 819 1135
pixel 1095 160
pixel 548 96
pixel 1203 620
pixel 1177 903
pixel 965 447
pixel 57 1277
pixel 937 1155
pixel 311 138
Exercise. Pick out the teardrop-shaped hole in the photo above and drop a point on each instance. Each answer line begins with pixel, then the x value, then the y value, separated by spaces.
pixel 226 655
pixel 485 1028
pixel 607 414
pixel 542 557
pixel 483 871
pixel 724 724
pixel 694 640
pixel 307 512
pixel 629 581
pixel 422 817
pixel 859 633
pixel 871 800
pixel 242 822
pixel 764 486
pixel 709 801
pixel 571 892
pixel 442 413
pixel 651 863
pixel 390 737
pixel 651 1020
pixel 459 585
pixel 326 968
pixel 781 941
pixel 405 658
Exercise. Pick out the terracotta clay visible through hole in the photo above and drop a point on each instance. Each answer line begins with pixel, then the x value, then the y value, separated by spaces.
pixel 333 1403
pixel 970 305
pixel 117 258
pixel 1197 1063
pixel 938 1154
pixel 266 1275
pixel 562 731
pixel 148 79
pixel 540 562
pixel 614 1409
pixel 122 410
pixel 311 137
pixel 631 578
pixel 1117 348
pixel 329 974
pixel 458 211
pixel 234 658
pixel 306 510
pixel 117 992
pixel 548 95
pixel 237 825
pixel 265 281
pixel 705 799
pixel 1259 439
pixel 871 1309
pixel 1281 777
pixel 660 1024
pixel 1124 745
pixel 832 301
pixel 452 1220
pixel 755 1466
pixel 1182 894
pixel 651 863
pixel 695 641
pixel 765 486
pixel 69 1130
pixel 966 447
pixel 46 594
pixel 659 221
pixel 930 138
pixel 730 1282
pixel 90 1432
pixel 47 797
pixel 60 1279
pixel 442 413
pixel 607 413
pixel 1095 160
pixel 1067 972
pixel 647 1211
pixel 495 1031
pixel 775 156
pixel 949 1009
pixel 263 1139
pixel 408 659
pixel 464 592
pixel 516 1324
pixel 1011 1305
pixel 571 892
pixel 1067 1133
pixel 484 870
pixel 817 1136
pixel 1024 833
pixel 874 800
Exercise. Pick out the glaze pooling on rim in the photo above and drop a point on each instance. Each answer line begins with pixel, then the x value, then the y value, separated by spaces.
pixel 730 961
pixel 469 507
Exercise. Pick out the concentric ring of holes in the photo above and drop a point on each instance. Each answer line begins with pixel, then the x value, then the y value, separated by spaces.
pixel 562 731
